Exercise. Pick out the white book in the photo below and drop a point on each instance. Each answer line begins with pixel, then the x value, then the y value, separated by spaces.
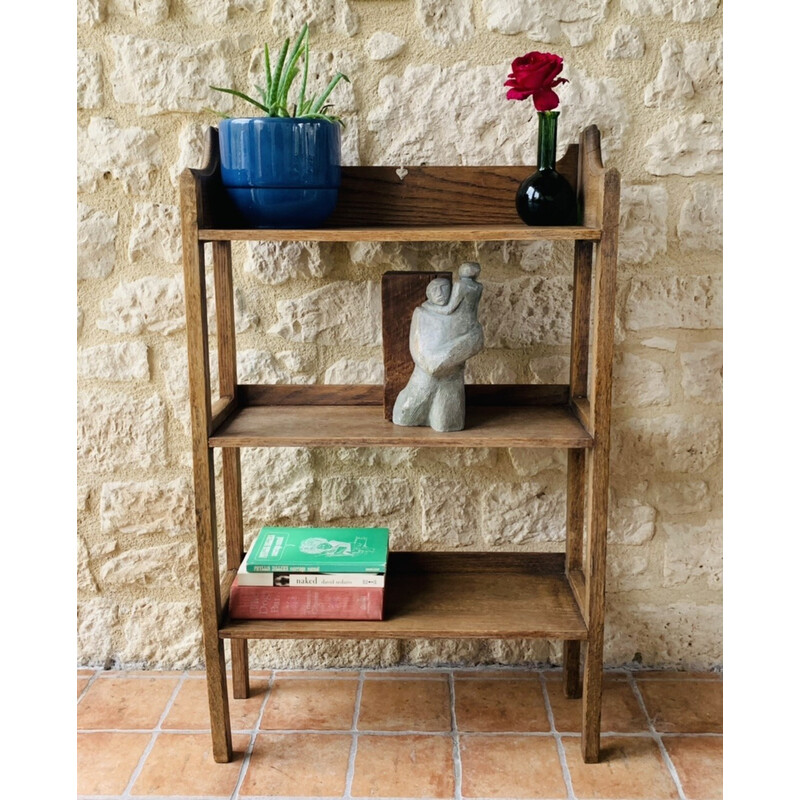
pixel 317 579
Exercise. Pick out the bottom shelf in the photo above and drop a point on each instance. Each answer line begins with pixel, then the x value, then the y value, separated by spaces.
pixel 451 595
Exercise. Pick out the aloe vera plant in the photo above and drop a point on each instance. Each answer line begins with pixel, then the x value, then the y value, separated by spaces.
pixel 274 96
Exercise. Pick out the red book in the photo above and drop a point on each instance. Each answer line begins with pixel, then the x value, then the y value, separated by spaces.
pixel 306 602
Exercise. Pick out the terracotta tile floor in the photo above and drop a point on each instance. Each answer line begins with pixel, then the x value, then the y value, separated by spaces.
pixel 487 733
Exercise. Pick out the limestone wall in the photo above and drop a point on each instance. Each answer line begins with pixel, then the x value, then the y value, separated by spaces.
pixel 427 87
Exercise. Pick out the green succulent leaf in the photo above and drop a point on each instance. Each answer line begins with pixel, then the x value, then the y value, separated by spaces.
pixel 267 71
pixel 241 95
pixel 328 89
pixel 302 99
pixel 278 73
pixel 274 96
pixel 292 70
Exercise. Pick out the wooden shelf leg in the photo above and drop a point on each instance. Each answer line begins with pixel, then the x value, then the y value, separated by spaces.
pixel 214 647
pixel 231 462
pixel 576 464
pixel 592 698
pixel 576 495
pixel 241 669
pixel 572 668
pixel 219 713
pixel 595 562
pixel 203 472
pixel 234 545
pixel 597 469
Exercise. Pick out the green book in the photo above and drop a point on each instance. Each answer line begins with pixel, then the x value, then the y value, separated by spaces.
pixel 319 550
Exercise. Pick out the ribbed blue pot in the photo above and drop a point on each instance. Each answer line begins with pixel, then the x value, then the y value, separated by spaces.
pixel 281 172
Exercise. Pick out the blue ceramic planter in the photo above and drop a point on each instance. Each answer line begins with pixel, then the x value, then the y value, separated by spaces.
pixel 281 172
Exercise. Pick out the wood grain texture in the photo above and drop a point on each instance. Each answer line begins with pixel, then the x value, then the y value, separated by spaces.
pixel 360 426
pixel 196 311
pixel 232 504
pixel 576 500
pixel 477 394
pixel 600 367
pixel 203 469
pixel 226 583
pixel 226 326
pixel 426 204
pixel 234 549
pixel 530 597
pixel 441 232
pixel 591 174
pixel 240 669
pixel 382 196
pixel 226 353
pixel 259 394
pixel 403 562
pixel 581 312
pixel 577 580
pixel 516 394
pixel 576 504
pixel 231 465
pixel 210 209
pixel 581 408
pixel 428 195
pixel 221 409
pixel 401 293
pixel 571 666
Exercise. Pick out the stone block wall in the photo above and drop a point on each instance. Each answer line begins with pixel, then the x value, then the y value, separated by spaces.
pixel 427 87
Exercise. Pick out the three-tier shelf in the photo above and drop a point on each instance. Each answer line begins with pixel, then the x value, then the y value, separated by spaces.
pixel 439 594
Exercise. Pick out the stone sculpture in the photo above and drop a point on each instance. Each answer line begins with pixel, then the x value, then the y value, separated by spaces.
pixel 445 332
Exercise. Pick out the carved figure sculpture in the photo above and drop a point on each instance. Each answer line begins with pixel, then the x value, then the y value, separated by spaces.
pixel 445 332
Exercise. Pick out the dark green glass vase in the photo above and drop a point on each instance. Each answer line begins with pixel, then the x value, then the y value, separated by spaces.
pixel 546 198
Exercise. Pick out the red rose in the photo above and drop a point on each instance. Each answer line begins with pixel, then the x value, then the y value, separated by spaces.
pixel 534 74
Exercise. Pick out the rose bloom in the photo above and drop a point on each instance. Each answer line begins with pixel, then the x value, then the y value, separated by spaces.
pixel 534 75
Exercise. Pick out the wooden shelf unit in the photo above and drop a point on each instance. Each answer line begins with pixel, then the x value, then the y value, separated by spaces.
pixel 429 595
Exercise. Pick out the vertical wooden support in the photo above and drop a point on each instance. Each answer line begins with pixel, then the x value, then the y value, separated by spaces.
pixel 576 465
pixel 205 504
pixel 581 307
pixel 576 482
pixel 598 467
pixel 571 657
pixel 231 462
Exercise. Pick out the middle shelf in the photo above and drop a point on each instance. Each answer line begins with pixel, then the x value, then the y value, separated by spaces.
pixel 357 426
pixel 518 415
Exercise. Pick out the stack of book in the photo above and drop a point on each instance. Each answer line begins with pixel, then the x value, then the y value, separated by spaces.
pixel 312 573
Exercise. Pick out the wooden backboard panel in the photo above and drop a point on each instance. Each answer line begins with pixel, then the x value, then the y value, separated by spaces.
pixel 376 196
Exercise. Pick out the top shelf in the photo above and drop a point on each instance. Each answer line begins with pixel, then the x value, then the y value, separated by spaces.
pixel 413 203
pixel 403 233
